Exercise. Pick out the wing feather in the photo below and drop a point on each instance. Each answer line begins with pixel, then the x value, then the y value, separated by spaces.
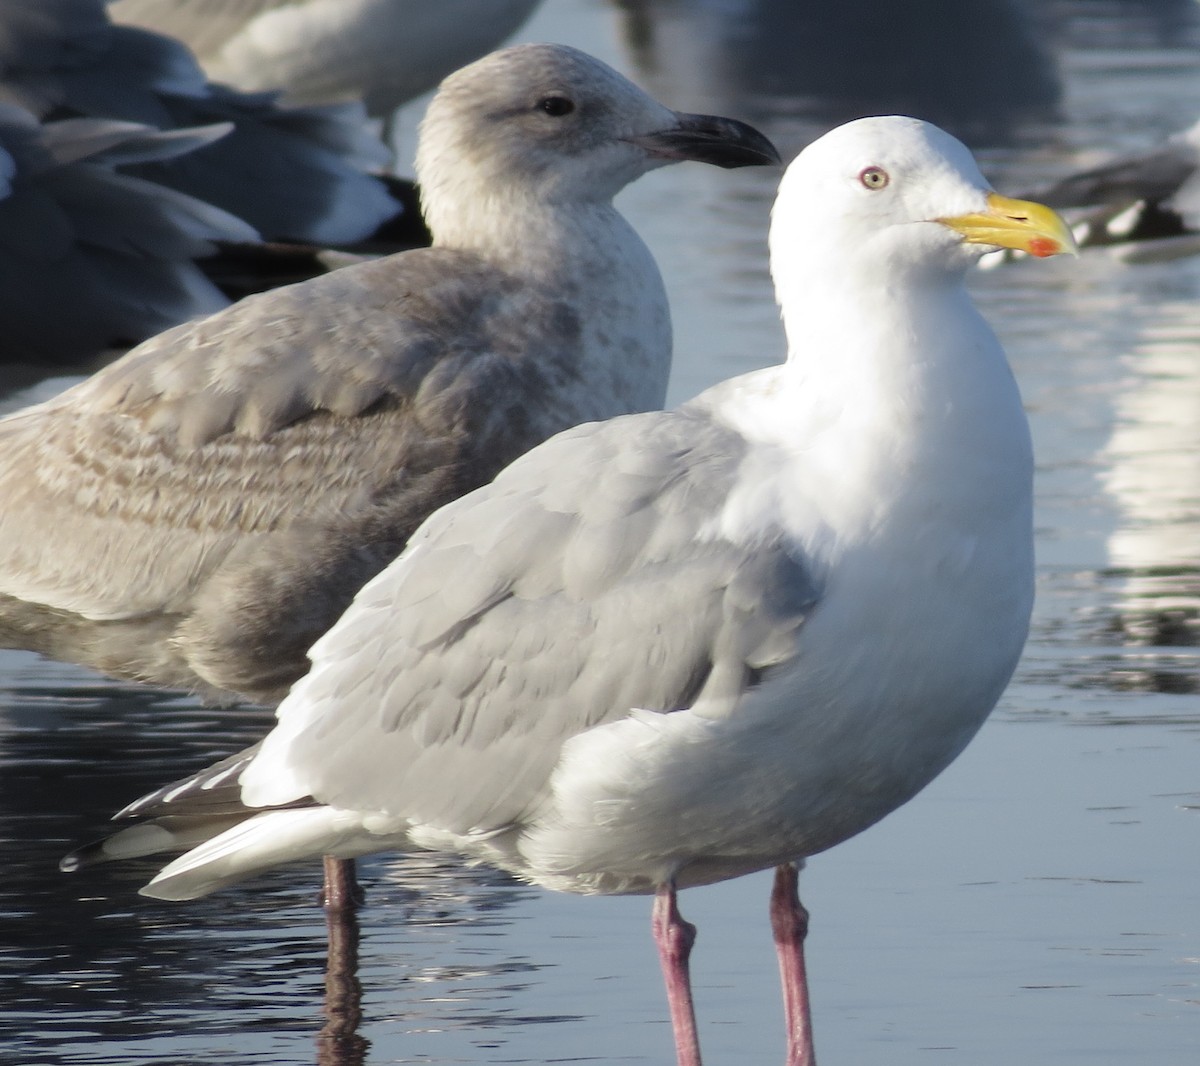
pixel 451 707
pixel 259 450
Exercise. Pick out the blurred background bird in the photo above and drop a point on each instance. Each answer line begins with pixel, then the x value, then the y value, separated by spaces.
pixel 1145 205
pixel 298 174
pixel 382 52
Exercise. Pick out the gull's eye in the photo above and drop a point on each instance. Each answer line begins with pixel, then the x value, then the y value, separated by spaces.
pixel 556 105
pixel 874 178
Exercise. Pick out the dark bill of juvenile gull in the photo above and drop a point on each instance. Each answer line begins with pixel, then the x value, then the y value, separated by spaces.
pixel 674 648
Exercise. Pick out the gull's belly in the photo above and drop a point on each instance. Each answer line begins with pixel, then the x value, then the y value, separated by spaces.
pixel 863 729
pixel 897 669
pixel 864 717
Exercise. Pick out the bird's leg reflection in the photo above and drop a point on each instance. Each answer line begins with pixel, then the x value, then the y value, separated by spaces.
pixel 341 891
pixel 789 924
pixel 338 1042
pixel 675 938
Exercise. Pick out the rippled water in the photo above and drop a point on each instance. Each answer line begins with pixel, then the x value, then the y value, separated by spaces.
pixel 1036 904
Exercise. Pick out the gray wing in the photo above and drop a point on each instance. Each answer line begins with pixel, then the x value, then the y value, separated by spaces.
pixel 291 173
pixel 583 583
pixel 292 441
pixel 384 52
pixel 90 257
pixel 56 50
pixel 296 173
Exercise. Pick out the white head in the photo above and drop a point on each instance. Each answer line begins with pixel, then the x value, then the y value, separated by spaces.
pixel 548 124
pixel 890 197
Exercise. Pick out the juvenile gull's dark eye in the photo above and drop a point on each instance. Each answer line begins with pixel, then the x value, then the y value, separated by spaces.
pixel 557 105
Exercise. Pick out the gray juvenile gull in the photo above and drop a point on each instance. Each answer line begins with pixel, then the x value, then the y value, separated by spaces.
pixel 1147 205
pixel 92 258
pixel 292 173
pixel 199 512
pixel 674 648
pixel 383 52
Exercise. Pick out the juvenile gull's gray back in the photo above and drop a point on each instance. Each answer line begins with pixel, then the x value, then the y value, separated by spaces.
pixel 198 513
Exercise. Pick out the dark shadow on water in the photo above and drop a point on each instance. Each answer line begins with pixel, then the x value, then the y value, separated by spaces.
pixel 91 973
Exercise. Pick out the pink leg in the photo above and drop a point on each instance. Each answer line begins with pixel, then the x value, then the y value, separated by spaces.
pixel 341 891
pixel 675 938
pixel 789 923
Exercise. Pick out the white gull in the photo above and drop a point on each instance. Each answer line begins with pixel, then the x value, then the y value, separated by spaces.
pixel 674 648
pixel 383 52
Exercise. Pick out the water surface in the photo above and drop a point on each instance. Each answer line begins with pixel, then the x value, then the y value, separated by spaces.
pixel 1036 904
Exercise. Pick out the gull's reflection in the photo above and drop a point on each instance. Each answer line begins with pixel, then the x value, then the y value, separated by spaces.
pixel 1153 472
pixel 339 1042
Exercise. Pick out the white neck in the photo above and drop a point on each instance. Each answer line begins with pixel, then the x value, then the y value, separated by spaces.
pixel 887 411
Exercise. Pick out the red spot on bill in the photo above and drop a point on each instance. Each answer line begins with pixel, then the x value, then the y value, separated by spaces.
pixel 1043 247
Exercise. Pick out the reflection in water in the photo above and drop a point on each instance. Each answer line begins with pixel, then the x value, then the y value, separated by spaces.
pixel 1152 470
pixel 339 1042
pixel 68 758
pixel 1163 608
pixel 462 965
pixel 101 975
pixel 976 67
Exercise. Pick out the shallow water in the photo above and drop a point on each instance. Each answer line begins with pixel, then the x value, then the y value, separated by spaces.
pixel 1036 904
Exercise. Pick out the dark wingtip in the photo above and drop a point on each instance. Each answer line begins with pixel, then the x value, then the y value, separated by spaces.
pixel 88 855
pixel 147 838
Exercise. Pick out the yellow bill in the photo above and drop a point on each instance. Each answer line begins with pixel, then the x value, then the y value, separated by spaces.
pixel 1019 224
